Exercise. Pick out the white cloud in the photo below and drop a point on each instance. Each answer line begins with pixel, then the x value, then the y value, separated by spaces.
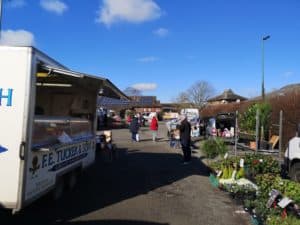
pixel 17 38
pixel 132 11
pixel 161 32
pixel 55 6
pixel 16 3
pixel 148 59
pixel 145 86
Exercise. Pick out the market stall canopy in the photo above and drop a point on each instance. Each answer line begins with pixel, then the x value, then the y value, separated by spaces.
pixel 48 75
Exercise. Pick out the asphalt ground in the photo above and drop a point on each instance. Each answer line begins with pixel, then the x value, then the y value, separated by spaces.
pixel 146 184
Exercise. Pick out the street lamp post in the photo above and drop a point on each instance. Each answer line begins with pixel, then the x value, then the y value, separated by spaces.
pixel 263 66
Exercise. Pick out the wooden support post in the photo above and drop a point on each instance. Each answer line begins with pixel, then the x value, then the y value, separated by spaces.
pixel 257 130
pixel 280 134
pixel 236 133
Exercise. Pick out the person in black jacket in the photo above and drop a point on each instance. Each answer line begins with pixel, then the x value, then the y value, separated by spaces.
pixel 134 128
pixel 185 139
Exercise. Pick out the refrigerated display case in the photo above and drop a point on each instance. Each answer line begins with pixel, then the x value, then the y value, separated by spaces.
pixel 47 130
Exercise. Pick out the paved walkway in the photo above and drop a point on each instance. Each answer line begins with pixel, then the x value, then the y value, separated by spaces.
pixel 146 185
pixel 163 191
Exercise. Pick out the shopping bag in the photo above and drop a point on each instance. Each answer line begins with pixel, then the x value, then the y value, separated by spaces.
pixel 137 137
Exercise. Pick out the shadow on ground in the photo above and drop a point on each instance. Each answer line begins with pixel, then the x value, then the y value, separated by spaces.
pixel 132 174
pixel 112 222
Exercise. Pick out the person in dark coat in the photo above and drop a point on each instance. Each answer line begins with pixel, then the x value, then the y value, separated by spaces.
pixel 134 129
pixel 185 139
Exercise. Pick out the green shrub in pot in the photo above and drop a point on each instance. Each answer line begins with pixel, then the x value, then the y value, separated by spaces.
pixel 214 147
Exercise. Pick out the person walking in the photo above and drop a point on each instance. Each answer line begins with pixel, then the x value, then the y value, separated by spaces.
pixel 154 127
pixel 185 139
pixel 134 129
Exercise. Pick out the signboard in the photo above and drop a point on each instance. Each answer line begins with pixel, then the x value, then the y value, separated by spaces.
pixel 45 165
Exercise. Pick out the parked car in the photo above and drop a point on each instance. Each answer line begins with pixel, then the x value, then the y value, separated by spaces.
pixel 221 125
pixel 211 129
pixel 225 124
pixel 170 115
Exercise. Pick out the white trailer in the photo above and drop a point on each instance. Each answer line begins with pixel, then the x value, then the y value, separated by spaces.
pixel 48 124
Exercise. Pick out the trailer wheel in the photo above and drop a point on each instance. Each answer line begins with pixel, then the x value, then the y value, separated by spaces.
pixel 115 152
pixel 72 180
pixel 295 172
pixel 59 189
pixel 5 214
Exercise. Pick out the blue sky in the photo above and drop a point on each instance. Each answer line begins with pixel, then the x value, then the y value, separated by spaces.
pixel 164 46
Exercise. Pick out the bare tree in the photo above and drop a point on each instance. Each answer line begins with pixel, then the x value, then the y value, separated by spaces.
pixel 182 98
pixel 199 93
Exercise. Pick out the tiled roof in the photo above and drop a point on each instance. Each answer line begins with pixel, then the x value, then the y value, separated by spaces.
pixel 227 95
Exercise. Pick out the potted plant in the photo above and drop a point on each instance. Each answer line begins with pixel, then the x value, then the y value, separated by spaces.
pixel 247 120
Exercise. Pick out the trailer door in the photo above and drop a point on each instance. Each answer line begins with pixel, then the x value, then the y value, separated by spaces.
pixel 15 64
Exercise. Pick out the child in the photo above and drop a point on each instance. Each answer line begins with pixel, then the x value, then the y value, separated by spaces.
pixel 175 139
